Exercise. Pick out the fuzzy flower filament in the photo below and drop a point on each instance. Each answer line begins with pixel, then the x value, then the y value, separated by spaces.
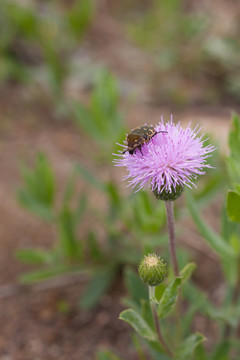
pixel 168 160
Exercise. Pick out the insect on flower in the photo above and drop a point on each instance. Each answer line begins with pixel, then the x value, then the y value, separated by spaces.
pixel 140 136
pixel 169 161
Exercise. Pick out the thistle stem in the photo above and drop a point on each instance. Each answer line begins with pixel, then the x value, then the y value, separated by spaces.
pixel 172 241
pixel 157 323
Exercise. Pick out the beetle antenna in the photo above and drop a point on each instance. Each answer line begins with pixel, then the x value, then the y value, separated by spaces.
pixel 159 133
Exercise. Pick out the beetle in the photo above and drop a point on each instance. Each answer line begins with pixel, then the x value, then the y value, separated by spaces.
pixel 140 136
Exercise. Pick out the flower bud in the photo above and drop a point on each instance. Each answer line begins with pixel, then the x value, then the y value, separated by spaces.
pixel 152 270
pixel 169 195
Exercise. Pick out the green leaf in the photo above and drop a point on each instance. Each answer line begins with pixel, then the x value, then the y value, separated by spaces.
pixel 146 312
pixel 159 290
pixel 78 213
pixel 31 256
pixel 233 205
pixel 156 350
pixel 139 324
pixel 84 120
pixel 213 239
pixel 43 274
pixel 169 297
pixel 70 188
pixel 95 251
pixel 90 178
pixel 69 244
pixel 107 355
pixel 139 346
pixel 196 297
pixel 135 286
pixel 37 193
pixel 221 352
pixel 234 137
pixel 80 15
pixel 30 203
pixel 234 141
pixel 229 315
pixel 187 271
pixel 97 287
pixel 229 229
pixel 187 347
pixel 200 353
pixel 115 199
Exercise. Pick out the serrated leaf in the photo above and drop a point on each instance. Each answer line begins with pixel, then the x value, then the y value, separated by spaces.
pixel 169 297
pixel 187 347
pixel 139 324
pixel 233 205
pixel 187 271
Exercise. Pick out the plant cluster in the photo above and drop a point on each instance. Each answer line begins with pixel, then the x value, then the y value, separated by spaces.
pixel 164 331
pixel 40 37
pixel 132 226
pixel 195 61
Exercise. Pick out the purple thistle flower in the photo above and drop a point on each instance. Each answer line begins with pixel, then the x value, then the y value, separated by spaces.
pixel 168 160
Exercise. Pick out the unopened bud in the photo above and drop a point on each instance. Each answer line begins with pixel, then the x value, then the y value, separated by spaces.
pixel 152 270
pixel 170 195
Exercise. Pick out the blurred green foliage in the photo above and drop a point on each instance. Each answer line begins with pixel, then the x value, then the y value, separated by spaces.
pixel 101 119
pixel 41 36
pixel 195 61
pixel 126 233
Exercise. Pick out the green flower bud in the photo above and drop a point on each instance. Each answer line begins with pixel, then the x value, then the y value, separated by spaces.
pixel 167 195
pixel 152 270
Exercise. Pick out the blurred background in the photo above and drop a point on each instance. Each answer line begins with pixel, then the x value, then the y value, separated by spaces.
pixel 75 76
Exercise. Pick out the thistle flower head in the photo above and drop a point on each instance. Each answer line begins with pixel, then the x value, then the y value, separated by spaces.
pixel 168 161
pixel 152 270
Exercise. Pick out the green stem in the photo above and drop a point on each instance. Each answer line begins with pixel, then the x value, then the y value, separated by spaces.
pixel 173 256
pixel 157 323
pixel 172 240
